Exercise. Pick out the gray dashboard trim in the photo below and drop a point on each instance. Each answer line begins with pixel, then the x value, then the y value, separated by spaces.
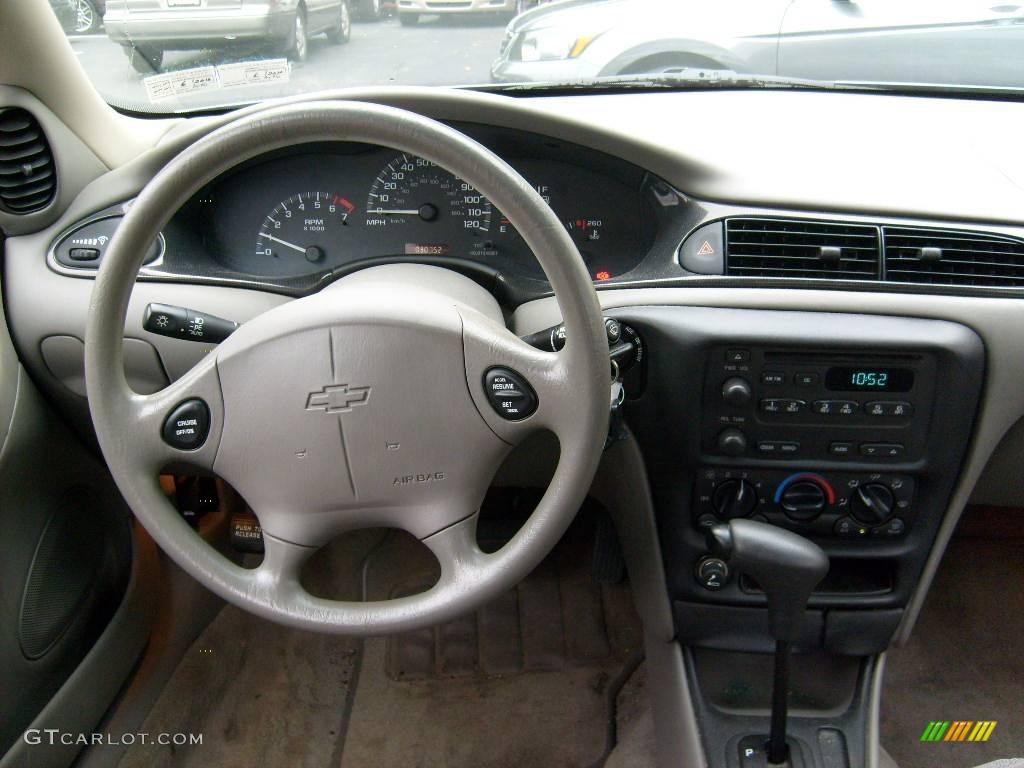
pixel 996 321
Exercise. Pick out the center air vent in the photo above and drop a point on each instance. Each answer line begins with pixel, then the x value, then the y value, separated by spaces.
pixel 945 257
pixel 757 247
pixel 27 178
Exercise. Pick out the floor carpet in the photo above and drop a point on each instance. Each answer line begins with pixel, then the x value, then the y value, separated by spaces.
pixel 260 694
pixel 528 680
pixel 964 661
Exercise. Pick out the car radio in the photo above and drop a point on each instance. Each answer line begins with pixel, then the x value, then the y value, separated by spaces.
pixel 784 404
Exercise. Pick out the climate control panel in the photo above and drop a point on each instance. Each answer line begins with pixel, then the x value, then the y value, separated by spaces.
pixel 847 505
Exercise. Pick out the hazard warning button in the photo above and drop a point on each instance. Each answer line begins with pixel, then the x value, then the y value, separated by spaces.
pixel 702 251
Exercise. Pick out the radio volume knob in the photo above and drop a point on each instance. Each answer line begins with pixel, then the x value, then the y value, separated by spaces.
pixel 736 391
pixel 872 503
pixel 732 442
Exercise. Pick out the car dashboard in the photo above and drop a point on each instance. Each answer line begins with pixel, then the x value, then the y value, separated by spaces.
pixel 297 219
pixel 829 316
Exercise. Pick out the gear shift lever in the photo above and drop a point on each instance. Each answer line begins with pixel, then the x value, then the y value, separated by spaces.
pixel 788 567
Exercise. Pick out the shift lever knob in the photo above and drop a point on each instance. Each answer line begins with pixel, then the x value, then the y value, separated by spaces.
pixel 787 566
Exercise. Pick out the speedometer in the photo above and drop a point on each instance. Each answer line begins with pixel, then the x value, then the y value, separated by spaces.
pixel 412 191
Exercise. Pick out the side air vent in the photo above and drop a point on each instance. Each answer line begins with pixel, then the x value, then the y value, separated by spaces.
pixel 945 257
pixel 757 247
pixel 27 178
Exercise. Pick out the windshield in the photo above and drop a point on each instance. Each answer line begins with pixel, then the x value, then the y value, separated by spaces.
pixel 182 55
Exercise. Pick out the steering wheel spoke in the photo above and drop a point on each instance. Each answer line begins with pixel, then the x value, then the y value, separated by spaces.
pixel 278 576
pixel 540 384
pixel 181 423
pixel 456 550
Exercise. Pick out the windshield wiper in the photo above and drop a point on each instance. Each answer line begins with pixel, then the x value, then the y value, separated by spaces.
pixel 684 79
pixel 711 79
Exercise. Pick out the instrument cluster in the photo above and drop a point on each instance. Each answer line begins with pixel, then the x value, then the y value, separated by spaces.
pixel 304 215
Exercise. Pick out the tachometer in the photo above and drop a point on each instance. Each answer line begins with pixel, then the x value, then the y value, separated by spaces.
pixel 307 225
pixel 413 191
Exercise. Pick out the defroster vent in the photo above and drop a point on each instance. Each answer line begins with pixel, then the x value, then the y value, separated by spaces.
pixel 28 180
pixel 947 257
pixel 762 247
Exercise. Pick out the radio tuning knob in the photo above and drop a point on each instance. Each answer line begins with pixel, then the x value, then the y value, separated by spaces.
pixel 732 442
pixel 736 391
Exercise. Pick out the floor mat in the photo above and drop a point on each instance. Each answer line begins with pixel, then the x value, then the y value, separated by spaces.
pixel 964 661
pixel 528 680
pixel 259 693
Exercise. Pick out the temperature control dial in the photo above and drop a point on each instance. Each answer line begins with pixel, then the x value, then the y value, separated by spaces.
pixel 804 500
pixel 804 496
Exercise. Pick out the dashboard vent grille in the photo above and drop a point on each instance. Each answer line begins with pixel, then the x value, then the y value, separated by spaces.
pixel 945 257
pixel 758 247
pixel 27 178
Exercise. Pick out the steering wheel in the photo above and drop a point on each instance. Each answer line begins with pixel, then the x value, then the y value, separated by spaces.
pixel 365 405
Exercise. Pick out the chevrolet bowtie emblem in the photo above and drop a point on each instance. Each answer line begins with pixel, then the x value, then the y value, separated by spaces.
pixel 337 398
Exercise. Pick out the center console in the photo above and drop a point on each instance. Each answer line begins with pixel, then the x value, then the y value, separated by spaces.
pixel 847 429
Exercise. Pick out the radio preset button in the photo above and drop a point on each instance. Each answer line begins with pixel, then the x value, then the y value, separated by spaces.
pixel 836 407
pixel 896 408
pixel 782 405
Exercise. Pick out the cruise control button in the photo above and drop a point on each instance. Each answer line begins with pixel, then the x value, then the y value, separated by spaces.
pixel 509 394
pixel 882 450
pixel 187 425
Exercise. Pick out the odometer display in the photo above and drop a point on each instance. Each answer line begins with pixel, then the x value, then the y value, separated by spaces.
pixel 869 379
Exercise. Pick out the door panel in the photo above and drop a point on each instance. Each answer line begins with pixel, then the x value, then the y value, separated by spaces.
pixel 65 549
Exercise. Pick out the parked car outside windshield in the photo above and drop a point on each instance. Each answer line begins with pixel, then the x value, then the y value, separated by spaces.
pixel 182 55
